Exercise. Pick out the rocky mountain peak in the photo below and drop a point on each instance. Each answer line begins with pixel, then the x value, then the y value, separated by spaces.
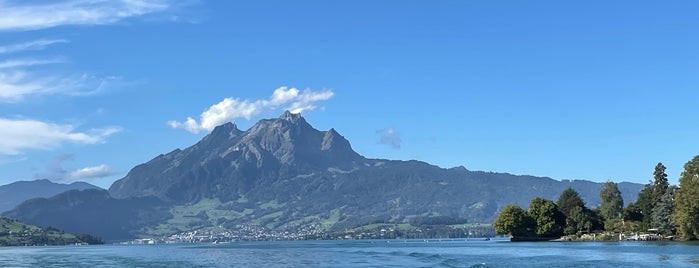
pixel 226 128
pixel 291 117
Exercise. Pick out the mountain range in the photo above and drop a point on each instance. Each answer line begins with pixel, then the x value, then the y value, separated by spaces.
pixel 283 174
pixel 17 192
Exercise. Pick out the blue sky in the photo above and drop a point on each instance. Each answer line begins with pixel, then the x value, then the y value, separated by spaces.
pixel 593 90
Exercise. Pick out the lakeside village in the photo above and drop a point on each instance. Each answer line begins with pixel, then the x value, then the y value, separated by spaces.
pixel 661 212
pixel 249 232
pixel 245 232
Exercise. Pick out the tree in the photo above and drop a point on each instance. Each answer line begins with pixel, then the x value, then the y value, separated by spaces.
pixel 612 203
pixel 632 212
pixel 660 183
pixel 645 202
pixel 514 220
pixel 568 200
pixel 686 214
pixel 549 220
pixel 579 219
pixel 662 212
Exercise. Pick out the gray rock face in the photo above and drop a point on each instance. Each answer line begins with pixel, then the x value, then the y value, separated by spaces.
pixel 286 160
pixel 228 161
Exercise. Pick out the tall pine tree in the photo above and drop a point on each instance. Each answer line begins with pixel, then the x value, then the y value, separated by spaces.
pixel 662 212
pixel 660 183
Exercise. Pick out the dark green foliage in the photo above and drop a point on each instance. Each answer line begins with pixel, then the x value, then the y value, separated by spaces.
pixel 660 183
pixel 92 211
pixel 645 203
pixel 632 212
pixel 686 214
pixel 569 200
pixel 612 203
pixel 549 220
pixel 579 219
pixel 662 212
pixel 515 221
pixel 14 233
pixel 614 225
pixel 89 239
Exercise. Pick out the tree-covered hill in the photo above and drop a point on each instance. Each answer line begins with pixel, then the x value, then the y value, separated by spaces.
pixel 14 233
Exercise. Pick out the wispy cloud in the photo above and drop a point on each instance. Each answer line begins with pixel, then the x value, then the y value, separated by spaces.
pixel 30 45
pixel 56 172
pixel 14 63
pixel 19 135
pixel 15 85
pixel 32 16
pixel 19 79
pixel 232 108
pixel 389 136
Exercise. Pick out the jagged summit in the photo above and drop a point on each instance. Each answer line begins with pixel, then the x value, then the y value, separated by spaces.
pixel 227 127
pixel 229 159
pixel 292 117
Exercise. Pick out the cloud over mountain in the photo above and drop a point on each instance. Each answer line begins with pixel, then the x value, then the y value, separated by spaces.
pixel 55 171
pixel 230 108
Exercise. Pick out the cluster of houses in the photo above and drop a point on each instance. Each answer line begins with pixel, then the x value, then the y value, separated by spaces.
pixel 241 232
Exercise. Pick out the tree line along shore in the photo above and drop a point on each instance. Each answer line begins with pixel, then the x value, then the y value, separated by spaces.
pixel 661 212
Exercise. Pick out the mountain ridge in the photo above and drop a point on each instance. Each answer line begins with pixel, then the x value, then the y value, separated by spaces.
pixel 14 193
pixel 283 174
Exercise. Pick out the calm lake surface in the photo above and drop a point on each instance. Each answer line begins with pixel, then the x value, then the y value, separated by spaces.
pixel 361 253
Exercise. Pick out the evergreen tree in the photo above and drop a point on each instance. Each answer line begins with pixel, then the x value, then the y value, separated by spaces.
pixel 632 212
pixel 568 200
pixel 549 220
pixel 645 202
pixel 612 203
pixel 660 183
pixel 662 212
pixel 686 214
pixel 515 221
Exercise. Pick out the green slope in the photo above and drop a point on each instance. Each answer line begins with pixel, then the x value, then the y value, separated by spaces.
pixel 14 233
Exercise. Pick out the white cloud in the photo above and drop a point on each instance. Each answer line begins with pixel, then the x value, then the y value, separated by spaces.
pixel 18 135
pixel 56 172
pixel 14 63
pixel 389 136
pixel 91 173
pixel 18 82
pixel 232 108
pixel 32 16
pixel 31 45
pixel 307 100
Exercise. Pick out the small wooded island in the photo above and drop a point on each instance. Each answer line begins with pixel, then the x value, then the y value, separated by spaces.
pixel 14 233
pixel 661 212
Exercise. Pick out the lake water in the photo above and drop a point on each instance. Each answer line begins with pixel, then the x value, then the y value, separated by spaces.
pixel 361 253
